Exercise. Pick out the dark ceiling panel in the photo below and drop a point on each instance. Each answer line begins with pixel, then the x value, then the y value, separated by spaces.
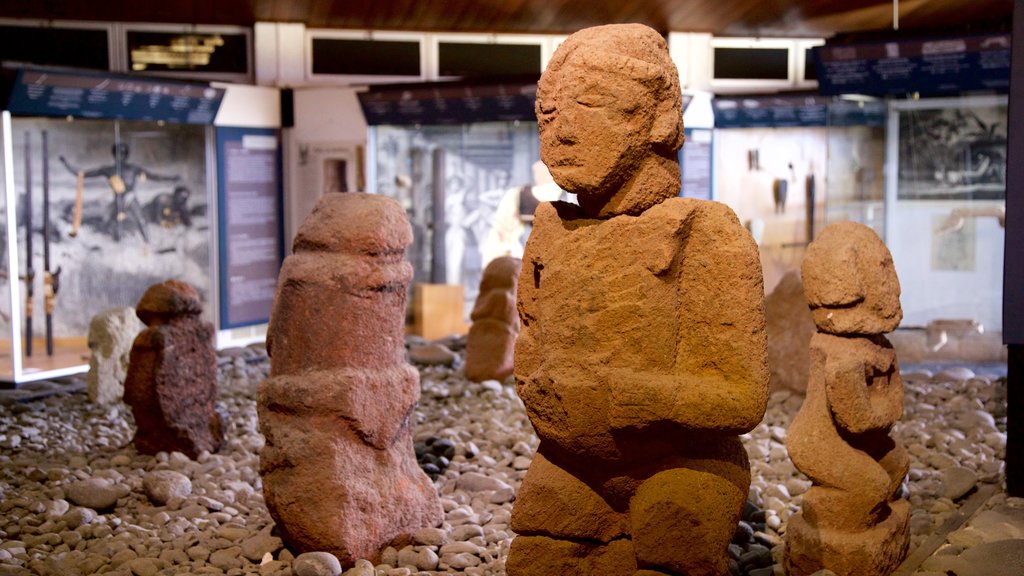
pixel 764 18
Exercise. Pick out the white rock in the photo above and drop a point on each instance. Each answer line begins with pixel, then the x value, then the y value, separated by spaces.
pixel 477 482
pixel 460 561
pixel 423 558
pixel 466 531
pixel 957 481
pixel 161 486
pixel 430 536
pixel 95 493
pixel 316 564
pixel 361 568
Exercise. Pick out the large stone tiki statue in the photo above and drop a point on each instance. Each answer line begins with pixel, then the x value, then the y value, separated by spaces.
pixel 854 520
pixel 339 471
pixel 642 355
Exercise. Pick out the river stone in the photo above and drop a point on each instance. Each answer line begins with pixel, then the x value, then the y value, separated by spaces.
pixel 957 482
pixel 161 486
pixel 316 564
pixel 95 493
pixel 433 354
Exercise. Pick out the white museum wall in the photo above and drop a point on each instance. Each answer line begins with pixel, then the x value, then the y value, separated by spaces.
pixel 748 189
pixel 947 275
pixel 329 126
pixel 949 267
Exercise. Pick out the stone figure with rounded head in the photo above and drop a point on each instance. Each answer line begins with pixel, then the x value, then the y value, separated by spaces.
pixel 642 354
pixel 854 519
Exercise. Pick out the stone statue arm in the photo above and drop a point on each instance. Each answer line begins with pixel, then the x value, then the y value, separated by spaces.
pixel 718 378
pixel 698 402
pixel 817 449
pixel 494 304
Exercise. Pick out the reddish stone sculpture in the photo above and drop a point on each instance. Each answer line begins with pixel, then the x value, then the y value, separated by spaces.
pixel 790 326
pixel 171 382
pixel 339 471
pixel 642 352
pixel 855 519
pixel 492 337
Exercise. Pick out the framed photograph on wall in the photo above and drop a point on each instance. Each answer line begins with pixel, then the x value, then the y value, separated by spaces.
pixel 952 149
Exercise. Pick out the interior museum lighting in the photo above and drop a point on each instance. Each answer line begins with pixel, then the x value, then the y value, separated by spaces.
pixel 185 51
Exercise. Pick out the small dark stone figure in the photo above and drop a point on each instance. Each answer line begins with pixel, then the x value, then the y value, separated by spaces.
pixel 172 374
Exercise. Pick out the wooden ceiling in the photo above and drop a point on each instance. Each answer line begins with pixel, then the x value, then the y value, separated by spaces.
pixel 765 18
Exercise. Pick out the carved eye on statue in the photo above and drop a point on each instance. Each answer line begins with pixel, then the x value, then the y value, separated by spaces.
pixel 595 100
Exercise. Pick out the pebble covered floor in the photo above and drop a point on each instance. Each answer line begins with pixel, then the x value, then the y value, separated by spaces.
pixel 76 498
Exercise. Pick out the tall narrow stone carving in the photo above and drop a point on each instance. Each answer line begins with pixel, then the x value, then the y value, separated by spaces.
pixel 111 333
pixel 339 471
pixel 642 354
pixel 492 337
pixel 855 518
pixel 171 383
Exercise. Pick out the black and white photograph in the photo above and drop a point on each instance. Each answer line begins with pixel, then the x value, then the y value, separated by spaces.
pixel 111 207
pixel 955 153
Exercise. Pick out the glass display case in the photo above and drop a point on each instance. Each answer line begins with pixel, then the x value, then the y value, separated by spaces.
pixel 856 169
pixel 95 211
pixel 945 216
pixel 478 169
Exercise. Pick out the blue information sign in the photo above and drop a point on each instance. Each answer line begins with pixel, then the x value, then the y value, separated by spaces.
pixel 932 66
pixel 796 110
pixel 437 103
pixel 39 92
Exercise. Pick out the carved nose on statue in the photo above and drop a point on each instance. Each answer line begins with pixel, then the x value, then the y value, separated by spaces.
pixel 563 131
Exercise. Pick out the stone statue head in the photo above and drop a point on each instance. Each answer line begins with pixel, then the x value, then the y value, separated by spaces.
pixel 610 115
pixel 850 281
pixel 167 300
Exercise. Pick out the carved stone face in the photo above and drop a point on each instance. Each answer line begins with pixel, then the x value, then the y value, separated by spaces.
pixel 594 128
pixel 610 119
pixel 850 281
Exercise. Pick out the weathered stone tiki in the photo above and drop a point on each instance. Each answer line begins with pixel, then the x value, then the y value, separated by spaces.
pixel 171 382
pixel 339 471
pixel 855 518
pixel 789 326
pixel 490 345
pixel 642 355
pixel 111 333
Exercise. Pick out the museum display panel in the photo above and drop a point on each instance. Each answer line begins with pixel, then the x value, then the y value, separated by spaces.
pixel 856 162
pixel 945 221
pixel 109 186
pixel 102 209
pixel 477 165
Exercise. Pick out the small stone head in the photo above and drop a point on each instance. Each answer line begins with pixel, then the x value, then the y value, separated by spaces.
pixel 608 104
pixel 850 282
pixel 374 226
pixel 502 273
pixel 168 300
